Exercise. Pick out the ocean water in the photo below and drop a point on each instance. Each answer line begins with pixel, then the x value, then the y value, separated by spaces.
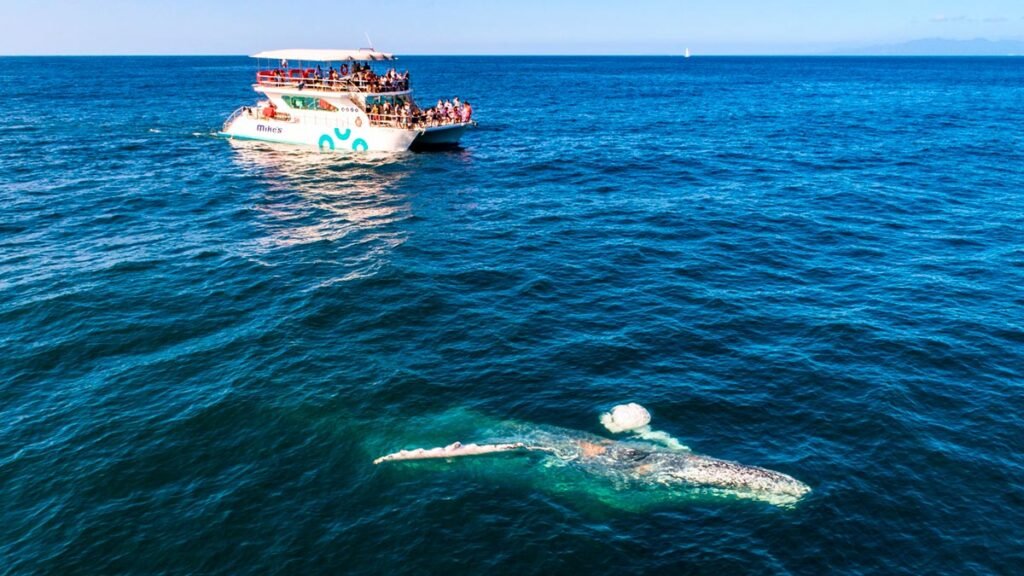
pixel 815 265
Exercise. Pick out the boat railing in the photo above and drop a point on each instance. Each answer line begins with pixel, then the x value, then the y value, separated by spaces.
pixel 391 120
pixel 261 112
pixel 234 115
pixel 408 122
pixel 346 84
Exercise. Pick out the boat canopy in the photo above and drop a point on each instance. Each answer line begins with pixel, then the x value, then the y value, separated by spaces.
pixel 314 55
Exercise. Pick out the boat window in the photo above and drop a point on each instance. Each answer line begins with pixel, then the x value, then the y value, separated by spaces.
pixel 381 100
pixel 308 103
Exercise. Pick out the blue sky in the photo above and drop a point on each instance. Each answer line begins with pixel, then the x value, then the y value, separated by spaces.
pixel 485 27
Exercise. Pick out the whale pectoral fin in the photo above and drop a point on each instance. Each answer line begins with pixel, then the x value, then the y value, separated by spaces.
pixel 455 450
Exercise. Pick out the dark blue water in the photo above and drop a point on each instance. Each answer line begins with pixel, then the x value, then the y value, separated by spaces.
pixel 813 265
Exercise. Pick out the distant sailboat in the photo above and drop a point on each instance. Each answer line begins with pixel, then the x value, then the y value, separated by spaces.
pixel 687 53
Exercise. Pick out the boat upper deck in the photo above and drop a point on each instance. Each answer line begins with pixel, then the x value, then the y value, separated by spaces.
pixel 365 80
pixel 331 71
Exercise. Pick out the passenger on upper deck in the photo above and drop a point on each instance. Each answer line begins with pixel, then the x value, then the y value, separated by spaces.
pixel 359 78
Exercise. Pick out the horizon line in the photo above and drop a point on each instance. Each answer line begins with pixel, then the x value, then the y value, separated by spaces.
pixel 542 55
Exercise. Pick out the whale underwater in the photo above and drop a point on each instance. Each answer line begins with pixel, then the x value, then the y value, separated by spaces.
pixel 649 461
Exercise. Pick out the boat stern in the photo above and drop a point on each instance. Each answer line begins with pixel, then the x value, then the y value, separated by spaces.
pixel 434 137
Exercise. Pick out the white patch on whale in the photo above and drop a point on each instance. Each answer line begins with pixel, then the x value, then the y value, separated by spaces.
pixel 635 418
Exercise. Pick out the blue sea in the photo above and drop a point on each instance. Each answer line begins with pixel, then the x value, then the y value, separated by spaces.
pixel 814 265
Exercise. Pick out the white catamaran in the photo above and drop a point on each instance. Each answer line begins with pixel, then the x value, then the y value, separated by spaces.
pixel 336 100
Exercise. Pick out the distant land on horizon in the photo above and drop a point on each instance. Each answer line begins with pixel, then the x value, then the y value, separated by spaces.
pixel 940 47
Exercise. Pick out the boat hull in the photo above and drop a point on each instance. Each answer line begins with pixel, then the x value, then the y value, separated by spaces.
pixel 327 137
pixel 440 137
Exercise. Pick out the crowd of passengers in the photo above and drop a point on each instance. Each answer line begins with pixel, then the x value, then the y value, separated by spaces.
pixel 408 116
pixel 359 75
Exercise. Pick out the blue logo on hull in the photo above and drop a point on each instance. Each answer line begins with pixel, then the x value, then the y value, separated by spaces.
pixel 359 145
